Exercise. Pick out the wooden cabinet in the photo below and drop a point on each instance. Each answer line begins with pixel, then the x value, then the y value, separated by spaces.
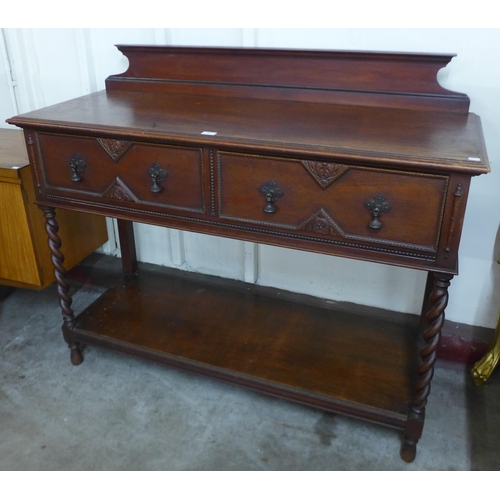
pixel 25 259
pixel 360 155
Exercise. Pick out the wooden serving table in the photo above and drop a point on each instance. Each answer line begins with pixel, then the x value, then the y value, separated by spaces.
pixel 360 155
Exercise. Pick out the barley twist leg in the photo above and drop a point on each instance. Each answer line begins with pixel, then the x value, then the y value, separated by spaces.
pixel 438 300
pixel 57 257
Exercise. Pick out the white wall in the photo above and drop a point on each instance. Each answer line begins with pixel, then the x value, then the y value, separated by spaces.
pixel 52 65
pixel 7 96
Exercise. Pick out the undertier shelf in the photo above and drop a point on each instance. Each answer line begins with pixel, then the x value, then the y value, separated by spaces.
pixel 251 336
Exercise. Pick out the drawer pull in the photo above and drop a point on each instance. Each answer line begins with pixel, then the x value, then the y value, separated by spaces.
pixel 271 191
pixel 378 206
pixel 77 166
pixel 157 174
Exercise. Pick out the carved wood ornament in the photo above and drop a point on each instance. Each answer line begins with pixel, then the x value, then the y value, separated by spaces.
pixel 118 190
pixel 324 173
pixel 114 147
pixel 320 223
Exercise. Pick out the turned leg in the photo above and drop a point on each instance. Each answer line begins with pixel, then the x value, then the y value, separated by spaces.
pixel 482 370
pixel 127 246
pixel 52 228
pixel 434 319
pixel 426 304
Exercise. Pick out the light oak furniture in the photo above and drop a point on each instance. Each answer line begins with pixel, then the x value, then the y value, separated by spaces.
pixel 361 155
pixel 25 258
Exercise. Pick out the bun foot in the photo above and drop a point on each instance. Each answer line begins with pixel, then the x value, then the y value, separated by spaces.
pixel 408 451
pixel 76 356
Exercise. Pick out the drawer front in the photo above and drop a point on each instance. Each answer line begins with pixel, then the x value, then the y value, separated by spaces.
pixel 332 201
pixel 123 172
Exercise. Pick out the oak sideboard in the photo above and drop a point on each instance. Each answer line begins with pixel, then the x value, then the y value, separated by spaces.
pixel 353 154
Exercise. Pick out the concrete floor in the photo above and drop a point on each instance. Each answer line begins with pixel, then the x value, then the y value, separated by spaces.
pixel 115 412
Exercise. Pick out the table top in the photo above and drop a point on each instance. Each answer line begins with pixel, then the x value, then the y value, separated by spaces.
pixel 393 137
pixel 13 152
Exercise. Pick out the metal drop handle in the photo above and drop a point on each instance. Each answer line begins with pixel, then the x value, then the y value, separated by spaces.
pixel 157 175
pixel 271 191
pixel 77 166
pixel 378 206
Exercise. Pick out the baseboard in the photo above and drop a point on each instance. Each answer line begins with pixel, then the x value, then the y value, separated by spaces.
pixel 464 343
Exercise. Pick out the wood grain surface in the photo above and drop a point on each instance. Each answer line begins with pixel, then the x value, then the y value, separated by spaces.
pixel 252 335
pixel 392 136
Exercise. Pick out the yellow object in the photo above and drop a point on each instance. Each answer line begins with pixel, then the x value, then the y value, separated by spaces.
pixel 483 368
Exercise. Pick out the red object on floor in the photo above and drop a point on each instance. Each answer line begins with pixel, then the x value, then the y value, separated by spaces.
pixel 456 348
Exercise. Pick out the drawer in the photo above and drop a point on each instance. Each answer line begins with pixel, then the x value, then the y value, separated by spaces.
pixel 332 201
pixel 123 172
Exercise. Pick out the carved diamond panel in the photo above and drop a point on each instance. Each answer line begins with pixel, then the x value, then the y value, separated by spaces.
pixel 115 148
pixel 321 223
pixel 118 190
pixel 323 173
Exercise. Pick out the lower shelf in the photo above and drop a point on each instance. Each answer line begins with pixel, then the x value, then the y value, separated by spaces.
pixel 250 336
